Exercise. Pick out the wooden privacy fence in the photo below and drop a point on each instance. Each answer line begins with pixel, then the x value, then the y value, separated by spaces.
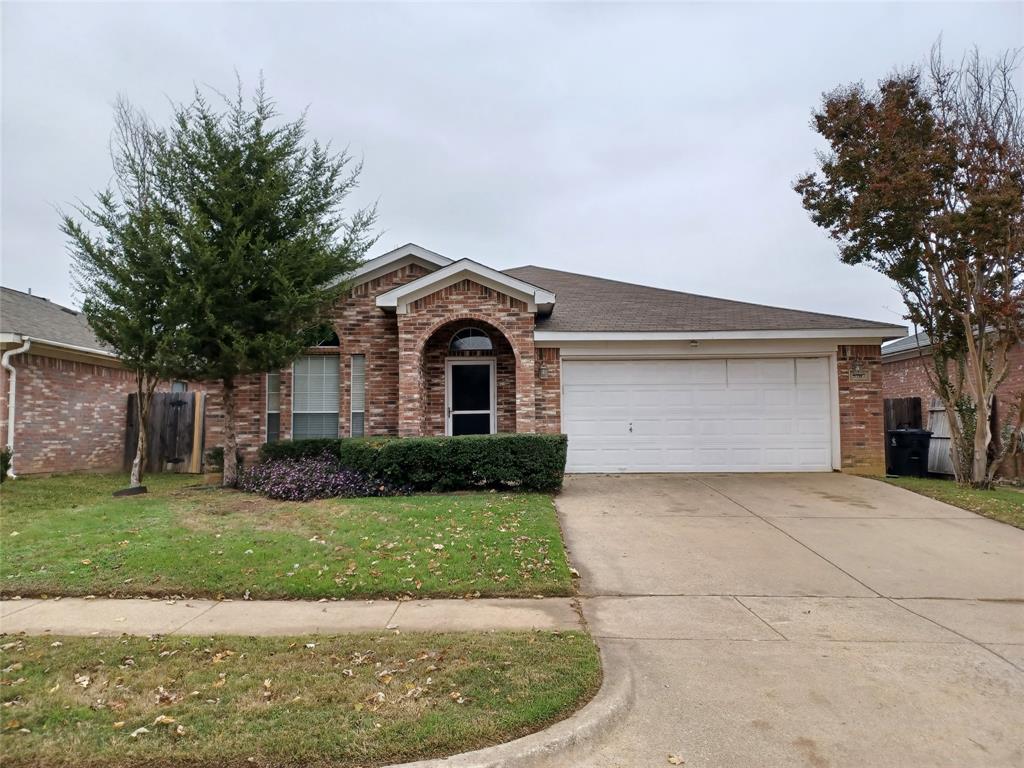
pixel 940 456
pixel 902 413
pixel 174 438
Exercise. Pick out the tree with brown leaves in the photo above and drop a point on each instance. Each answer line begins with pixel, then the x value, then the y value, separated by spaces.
pixel 924 182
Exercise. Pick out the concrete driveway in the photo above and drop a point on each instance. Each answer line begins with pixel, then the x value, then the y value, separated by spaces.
pixel 817 620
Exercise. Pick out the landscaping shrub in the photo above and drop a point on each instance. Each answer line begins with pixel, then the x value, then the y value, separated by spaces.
pixel 526 462
pixel 312 477
pixel 5 462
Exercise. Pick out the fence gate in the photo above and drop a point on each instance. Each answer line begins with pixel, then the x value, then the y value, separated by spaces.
pixel 940 455
pixel 174 439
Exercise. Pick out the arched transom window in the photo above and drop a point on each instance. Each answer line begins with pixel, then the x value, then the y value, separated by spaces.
pixel 470 340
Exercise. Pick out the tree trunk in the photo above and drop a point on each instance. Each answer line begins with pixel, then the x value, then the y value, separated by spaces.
pixel 140 458
pixel 143 401
pixel 230 479
pixel 982 439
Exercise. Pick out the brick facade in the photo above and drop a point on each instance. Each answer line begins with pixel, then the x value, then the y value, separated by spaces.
pixel 71 416
pixel 861 419
pixel 405 365
pixel 465 301
pixel 548 379
pixel 908 378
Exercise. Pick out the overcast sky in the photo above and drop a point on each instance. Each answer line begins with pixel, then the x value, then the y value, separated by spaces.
pixel 655 144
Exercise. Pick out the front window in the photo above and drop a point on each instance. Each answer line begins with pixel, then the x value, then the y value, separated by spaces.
pixel 273 407
pixel 470 340
pixel 358 391
pixel 315 397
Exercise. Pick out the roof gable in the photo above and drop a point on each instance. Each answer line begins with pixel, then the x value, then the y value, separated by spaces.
pixel 398 299
pixel 410 253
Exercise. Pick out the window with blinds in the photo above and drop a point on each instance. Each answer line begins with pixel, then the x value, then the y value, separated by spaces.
pixel 273 407
pixel 315 397
pixel 358 398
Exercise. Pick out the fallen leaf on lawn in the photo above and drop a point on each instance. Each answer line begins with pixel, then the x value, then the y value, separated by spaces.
pixel 675 760
pixel 55 688
pixel 83 680
pixel 179 730
pixel 87 562
pixel 138 732
pixel 164 720
pixel 118 725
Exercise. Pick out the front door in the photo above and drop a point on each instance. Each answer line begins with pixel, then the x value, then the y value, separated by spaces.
pixel 470 400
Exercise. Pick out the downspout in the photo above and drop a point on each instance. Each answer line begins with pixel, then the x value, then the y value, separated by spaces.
pixel 12 375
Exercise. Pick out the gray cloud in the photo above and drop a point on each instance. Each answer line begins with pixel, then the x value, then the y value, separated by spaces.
pixel 649 143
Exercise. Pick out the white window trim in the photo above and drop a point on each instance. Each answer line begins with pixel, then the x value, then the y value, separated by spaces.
pixel 453 361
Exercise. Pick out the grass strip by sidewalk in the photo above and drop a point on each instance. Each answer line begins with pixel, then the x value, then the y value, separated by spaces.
pixel 315 701
pixel 1003 504
pixel 66 535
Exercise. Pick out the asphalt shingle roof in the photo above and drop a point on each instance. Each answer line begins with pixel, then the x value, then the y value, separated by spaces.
pixel 907 344
pixel 40 318
pixel 585 303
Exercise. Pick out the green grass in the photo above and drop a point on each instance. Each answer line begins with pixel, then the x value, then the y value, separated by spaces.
pixel 1003 504
pixel 351 700
pixel 67 536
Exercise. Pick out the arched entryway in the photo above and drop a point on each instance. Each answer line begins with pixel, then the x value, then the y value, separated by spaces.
pixel 468 374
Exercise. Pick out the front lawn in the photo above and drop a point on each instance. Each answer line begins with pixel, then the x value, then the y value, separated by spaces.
pixel 352 700
pixel 1003 504
pixel 66 535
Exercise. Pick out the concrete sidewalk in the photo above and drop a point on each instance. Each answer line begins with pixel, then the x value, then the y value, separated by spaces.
pixel 80 616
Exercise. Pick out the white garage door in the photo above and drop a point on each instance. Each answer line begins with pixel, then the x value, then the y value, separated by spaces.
pixel 740 415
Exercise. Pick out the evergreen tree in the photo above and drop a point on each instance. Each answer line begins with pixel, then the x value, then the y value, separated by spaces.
pixel 261 241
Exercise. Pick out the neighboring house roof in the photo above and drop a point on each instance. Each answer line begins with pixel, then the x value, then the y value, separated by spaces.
pixel 912 343
pixel 594 304
pixel 22 314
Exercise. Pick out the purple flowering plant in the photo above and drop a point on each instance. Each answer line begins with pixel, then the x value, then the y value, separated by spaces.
pixel 313 477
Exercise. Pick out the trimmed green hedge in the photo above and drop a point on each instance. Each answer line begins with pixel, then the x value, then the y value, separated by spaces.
pixel 522 461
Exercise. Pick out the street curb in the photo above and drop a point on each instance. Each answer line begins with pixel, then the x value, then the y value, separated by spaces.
pixel 576 734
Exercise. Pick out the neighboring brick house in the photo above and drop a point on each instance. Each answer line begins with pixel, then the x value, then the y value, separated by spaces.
pixel 904 374
pixel 641 379
pixel 70 393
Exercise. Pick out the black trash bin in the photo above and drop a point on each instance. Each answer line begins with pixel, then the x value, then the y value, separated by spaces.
pixel 907 450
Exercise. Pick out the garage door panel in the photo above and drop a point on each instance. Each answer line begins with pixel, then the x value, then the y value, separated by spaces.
pixel 698 415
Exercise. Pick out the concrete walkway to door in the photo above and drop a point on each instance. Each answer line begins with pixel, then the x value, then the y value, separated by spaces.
pixel 817 620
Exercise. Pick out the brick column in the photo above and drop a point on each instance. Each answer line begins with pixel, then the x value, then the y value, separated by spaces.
pixel 526 396
pixel 861 421
pixel 410 381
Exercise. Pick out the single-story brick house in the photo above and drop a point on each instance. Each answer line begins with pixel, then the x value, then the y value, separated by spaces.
pixel 904 365
pixel 641 379
pixel 69 391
